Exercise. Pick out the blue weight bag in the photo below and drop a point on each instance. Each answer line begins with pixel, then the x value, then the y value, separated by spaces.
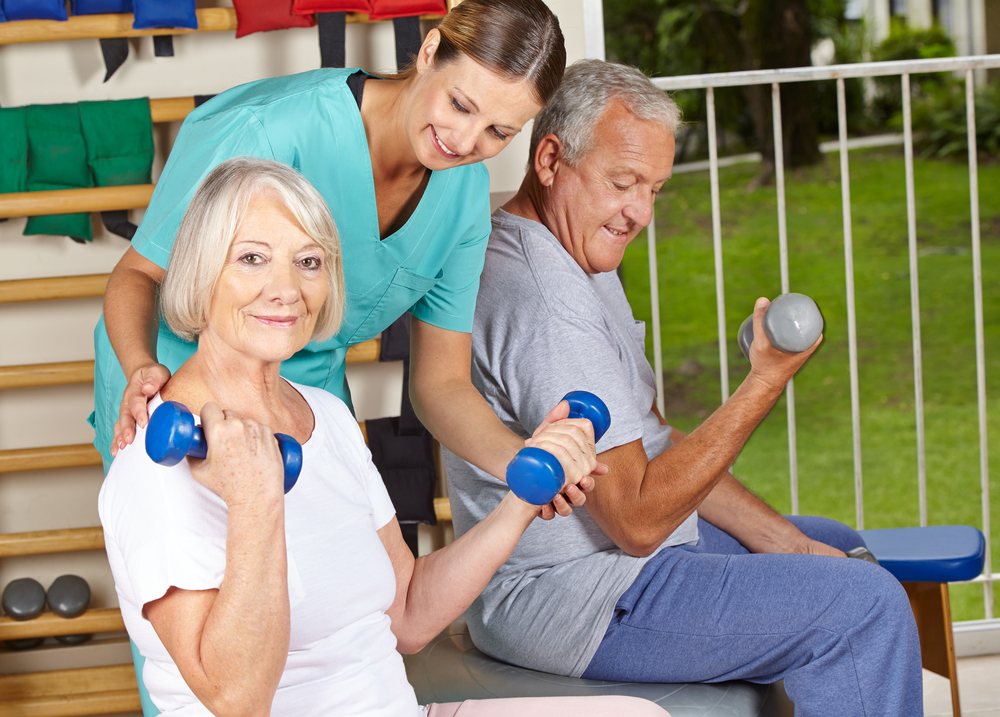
pixel 101 7
pixel 164 13
pixel 35 10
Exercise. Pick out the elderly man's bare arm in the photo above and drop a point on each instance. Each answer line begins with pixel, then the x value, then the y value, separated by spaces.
pixel 640 503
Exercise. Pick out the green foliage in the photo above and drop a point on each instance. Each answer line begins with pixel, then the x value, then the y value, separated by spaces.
pixel 679 37
pixel 852 43
pixel 906 43
pixel 939 116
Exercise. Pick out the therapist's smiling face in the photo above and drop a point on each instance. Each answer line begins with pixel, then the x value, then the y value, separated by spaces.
pixel 463 113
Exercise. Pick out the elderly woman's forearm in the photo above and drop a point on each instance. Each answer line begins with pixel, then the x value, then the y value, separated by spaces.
pixel 445 582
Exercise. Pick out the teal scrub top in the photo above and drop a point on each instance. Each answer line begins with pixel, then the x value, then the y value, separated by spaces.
pixel 310 121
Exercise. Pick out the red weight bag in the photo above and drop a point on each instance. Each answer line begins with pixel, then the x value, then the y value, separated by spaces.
pixel 308 7
pixel 386 9
pixel 262 15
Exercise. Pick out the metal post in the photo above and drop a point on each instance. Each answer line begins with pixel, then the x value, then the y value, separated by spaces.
pixel 852 327
pixel 918 371
pixel 779 176
pixel 720 289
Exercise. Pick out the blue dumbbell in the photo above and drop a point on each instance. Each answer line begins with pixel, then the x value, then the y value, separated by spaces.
pixel 536 476
pixel 172 434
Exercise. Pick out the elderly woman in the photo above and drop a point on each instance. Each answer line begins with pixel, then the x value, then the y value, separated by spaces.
pixel 242 599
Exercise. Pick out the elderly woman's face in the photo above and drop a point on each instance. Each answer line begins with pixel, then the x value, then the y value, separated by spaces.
pixel 272 286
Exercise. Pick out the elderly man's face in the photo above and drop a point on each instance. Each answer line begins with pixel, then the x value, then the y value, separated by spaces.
pixel 599 206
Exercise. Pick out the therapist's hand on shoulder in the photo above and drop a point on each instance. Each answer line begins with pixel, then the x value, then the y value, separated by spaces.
pixel 144 383
pixel 571 441
pixel 243 465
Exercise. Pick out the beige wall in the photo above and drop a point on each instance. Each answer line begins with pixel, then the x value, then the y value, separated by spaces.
pixel 62 331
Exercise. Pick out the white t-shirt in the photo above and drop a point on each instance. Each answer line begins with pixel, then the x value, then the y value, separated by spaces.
pixel 162 528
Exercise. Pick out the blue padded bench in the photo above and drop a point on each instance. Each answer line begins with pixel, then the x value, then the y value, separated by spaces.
pixel 925 560
pixel 451 669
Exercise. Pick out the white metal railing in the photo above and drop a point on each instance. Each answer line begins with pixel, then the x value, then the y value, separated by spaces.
pixel 776 78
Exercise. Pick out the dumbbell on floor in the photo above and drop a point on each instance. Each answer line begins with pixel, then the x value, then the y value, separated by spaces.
pixel 536 476
pixel 172 434
pixel 792 322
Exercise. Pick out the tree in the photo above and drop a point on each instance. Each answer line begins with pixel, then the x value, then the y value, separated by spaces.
pixel 675 37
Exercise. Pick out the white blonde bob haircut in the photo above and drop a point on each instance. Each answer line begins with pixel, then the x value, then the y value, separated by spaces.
pixel 212 221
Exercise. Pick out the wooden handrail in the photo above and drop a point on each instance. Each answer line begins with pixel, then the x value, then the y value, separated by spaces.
pixel 70 372
pixel 46 374
pixel 87 27
pixel 48 624
pixel 70 201
pixel 85 286
pixel 43 542
pixel 49 457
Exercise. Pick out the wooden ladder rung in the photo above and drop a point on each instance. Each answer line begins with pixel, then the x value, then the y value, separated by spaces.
pixel 49 457
pixel 43 542
pixel 67 682
pixel 46 374
pixel 86 27
pixel 70 372
pixel 69 201
pixel 442 509
pixel 85 286
pixel 89 703
pixel 102 619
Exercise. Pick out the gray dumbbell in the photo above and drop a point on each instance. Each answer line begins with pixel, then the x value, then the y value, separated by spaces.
pixel 862 553
pixel 792 323
pixel 69 597
pixel 24 599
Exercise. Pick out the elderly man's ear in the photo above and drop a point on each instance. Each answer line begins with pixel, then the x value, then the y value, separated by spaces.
pixel 548 157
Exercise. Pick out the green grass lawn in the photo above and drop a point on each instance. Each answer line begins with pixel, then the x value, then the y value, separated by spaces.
pixel 885 351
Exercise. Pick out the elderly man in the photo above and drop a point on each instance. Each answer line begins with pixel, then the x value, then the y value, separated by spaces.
pixel 674 572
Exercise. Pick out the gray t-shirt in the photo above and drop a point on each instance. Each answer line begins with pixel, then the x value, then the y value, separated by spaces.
pixel 543 328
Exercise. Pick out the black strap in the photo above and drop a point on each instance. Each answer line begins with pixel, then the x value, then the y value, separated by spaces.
pixel 116 221
pixel 332 34
pixel 163 45
pixel 115 52
pixel 356 84
pixel 395 344
pixel 411 532
pixel 407 31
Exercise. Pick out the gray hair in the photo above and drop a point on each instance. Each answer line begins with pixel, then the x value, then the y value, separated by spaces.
pixel 212 221
pixel 587 89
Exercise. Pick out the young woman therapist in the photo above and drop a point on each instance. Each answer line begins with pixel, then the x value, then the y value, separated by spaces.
pixel 398 161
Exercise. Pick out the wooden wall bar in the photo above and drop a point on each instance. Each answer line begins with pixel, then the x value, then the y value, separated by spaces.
pixel 46 374
pixel 48 624
pixel 69 201
pixel 42 542
pixel 87 27
pixel 85 286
